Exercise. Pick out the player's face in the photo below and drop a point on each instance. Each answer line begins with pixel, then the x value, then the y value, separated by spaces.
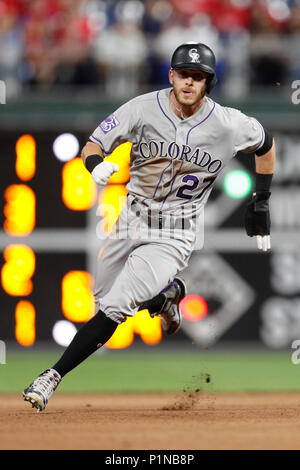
pixel 189 85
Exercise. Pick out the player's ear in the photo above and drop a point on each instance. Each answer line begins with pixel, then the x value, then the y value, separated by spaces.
pixel 171 75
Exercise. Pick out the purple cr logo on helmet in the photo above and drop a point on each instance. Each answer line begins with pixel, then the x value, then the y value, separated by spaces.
pixel 196 56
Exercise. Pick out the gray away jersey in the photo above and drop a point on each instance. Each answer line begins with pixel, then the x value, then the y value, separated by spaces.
pixel 175 162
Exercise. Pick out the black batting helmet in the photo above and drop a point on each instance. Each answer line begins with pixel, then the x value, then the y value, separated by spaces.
pixel 196 56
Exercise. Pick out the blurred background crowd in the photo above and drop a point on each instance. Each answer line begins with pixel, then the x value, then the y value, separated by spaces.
pixel 124 47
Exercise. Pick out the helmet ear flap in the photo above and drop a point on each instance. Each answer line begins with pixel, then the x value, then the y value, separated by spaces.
pixel 211 83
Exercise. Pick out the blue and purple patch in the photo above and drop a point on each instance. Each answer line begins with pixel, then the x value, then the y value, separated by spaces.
pixel 109 124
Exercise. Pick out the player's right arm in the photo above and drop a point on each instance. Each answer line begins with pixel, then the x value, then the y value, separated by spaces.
pixel 92 156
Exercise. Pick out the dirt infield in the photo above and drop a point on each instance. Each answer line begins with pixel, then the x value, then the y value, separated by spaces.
pixel 188 420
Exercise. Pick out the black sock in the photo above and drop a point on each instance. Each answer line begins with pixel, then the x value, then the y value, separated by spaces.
pixel 154 305
pixel 95 333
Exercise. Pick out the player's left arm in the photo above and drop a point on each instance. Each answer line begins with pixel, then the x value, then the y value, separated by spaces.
pixel 257 217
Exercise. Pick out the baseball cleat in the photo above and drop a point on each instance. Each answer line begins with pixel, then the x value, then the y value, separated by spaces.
pixel 41 389
pixel 170 315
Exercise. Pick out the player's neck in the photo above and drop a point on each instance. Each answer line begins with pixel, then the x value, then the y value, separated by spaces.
pixel 184 111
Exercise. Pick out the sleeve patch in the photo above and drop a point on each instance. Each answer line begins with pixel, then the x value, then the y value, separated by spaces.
pixel 109 124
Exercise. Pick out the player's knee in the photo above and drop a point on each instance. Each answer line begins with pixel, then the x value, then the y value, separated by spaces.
pixel 111 315
pixel 114 314
pixel 115 308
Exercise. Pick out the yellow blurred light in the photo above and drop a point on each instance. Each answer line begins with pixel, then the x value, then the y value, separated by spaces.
pixel 193 307
pixel 18 269
pixel 142 324
pixel 147 327
pixel 26 157
pixel 123 336
pixel 120 156
pixel 79 190
pixel 110 203
pixel 19 210
pixel 77 297
pixel 25 323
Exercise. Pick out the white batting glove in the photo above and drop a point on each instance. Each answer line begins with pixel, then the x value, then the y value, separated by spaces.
pixel 102 172
pixel 263 242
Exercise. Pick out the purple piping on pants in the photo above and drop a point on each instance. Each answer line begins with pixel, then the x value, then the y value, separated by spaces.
pixel 201 122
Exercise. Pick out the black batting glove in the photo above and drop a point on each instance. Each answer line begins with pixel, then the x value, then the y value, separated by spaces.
pixel 257 219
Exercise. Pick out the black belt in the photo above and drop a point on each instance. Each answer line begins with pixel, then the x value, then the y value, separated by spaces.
pixel 154 221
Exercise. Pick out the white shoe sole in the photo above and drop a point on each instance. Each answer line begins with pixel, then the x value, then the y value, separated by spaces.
pixel 35 399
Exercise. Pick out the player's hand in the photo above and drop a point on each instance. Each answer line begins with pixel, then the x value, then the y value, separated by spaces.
pixel 257 220
pixel 102 172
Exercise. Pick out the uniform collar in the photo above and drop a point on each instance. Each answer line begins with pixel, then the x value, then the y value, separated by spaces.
pixel 164 96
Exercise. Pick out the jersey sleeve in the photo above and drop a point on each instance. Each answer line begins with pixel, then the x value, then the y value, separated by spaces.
pixel 116 129
pixel 249 135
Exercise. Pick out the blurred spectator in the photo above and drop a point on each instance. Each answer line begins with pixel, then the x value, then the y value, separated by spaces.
pixel 223 25
pixel 293 44
pixel 157 12
pixel 226 16
pixel 175 32
pixel 236 83
pixel 121 52
pixel 126 46
pixel 74 65
pixel 57 44
pixel 11 47
pixel 267 49
pixel 40 27
pixel 232 19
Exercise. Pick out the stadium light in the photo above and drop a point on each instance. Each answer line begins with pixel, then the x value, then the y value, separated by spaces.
pixel 63 332
pixel 237 184
pixel 193 307
pixel 66 147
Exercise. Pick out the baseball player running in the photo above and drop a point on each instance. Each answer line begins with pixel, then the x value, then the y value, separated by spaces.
pixel 181 141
